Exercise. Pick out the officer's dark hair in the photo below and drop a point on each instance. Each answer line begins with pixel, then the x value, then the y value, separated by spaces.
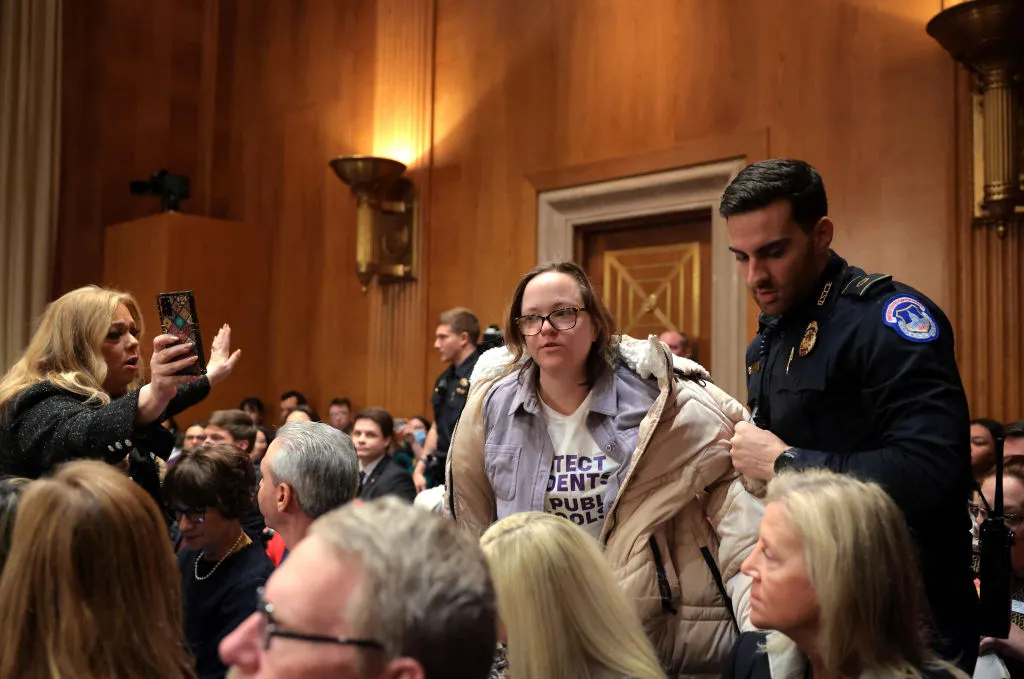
pixel 602 351
pixel 461 320
pixel 343 401
pixel 759 185
pixel 252 402
pixel 299 397
pixel 1014 430
pixel 381 417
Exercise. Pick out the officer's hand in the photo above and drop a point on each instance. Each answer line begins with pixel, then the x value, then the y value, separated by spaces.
pixel 1012 647
pixel 754 451
pixel 419 480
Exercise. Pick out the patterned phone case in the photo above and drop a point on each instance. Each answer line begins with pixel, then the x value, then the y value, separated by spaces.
pixel 178 317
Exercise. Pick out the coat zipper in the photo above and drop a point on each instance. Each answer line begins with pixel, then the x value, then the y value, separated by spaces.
pixel 664 589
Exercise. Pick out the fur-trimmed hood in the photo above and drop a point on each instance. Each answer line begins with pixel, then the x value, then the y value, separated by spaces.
pixel 644 357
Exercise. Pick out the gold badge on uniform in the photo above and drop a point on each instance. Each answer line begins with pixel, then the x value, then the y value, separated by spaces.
pixel 463 382
pixel 809 339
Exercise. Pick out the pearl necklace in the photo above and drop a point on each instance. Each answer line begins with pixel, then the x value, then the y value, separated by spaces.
pixel 212 570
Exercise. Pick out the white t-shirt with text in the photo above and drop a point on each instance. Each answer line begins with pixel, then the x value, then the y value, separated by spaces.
pixel 579 471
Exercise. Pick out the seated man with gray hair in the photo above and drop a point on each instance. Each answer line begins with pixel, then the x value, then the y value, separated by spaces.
pixel 377 590
pixel 308 470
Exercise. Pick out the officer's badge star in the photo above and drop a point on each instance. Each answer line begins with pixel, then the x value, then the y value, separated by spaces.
pixel 809 340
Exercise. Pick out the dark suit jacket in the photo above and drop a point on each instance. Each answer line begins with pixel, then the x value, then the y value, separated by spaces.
pixel 388 478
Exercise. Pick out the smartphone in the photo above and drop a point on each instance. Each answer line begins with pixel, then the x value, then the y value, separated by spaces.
pixel 178 317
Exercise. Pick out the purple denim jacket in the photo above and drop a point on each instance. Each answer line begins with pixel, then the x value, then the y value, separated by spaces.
pixel 518 451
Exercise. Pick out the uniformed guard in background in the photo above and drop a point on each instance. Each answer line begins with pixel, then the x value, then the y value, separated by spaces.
pixel 457 335
pixel 856 373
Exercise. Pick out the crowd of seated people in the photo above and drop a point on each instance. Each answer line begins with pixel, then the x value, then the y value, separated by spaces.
pixel 590 523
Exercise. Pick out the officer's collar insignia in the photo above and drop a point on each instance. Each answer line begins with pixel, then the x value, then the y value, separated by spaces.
pixel 754 367
pixel 809 340
pixel 824 294
pixel 910 319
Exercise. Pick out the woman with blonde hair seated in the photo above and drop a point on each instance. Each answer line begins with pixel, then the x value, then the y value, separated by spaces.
pixel 562 613
pixel 79 390
pixel 835 577
pixel 90 589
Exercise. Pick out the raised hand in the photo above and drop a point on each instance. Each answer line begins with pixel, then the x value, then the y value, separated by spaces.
pixel 222 361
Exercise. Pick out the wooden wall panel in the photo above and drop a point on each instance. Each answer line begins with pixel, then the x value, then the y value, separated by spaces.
pixel 989 294
pixel 856 87
pixel 252 97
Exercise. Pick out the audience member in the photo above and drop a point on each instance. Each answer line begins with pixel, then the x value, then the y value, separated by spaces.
pixel 562 613
pixel 339 415
pixel 378 474
pixel 78 390
pixel 1010 650
pixel 209 490
pixel 230 427
pixel 90 587
pixel 290 400
pixel 310 469
pixel 835 578
pixel 984 434
pixel 195 435
pixel 253 407
pixel 554 424
pixel 301 413
pixel 678 343
pixel 264 437
pixel 411 438
pixel 10 492
pixel 456 338
pixel 235 428
pixel 1013 434
pixel 385 591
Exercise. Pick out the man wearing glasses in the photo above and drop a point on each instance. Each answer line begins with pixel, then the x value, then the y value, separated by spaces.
pixel 376 590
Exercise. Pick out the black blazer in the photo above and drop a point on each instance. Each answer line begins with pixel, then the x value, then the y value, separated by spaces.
pixel 46 425
pixel 388 478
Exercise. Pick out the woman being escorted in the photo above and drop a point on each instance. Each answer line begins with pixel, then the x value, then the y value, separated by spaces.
pixel 627 442
pixel 834 575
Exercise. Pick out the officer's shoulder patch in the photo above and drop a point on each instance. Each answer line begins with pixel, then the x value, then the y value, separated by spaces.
pixel 859 285
pixel 910 318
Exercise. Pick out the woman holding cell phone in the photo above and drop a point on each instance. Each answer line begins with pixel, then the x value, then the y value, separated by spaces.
pixel 79 390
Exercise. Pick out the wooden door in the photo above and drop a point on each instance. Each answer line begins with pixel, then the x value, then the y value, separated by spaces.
pixel 654 273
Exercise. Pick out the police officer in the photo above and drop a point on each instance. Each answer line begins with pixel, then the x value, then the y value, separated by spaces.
pixel 456 337
pixel 854 373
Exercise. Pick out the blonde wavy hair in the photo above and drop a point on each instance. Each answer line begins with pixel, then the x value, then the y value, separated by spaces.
pixel 66 347
pixel 91 588
pixel 863 567
pixel 565 615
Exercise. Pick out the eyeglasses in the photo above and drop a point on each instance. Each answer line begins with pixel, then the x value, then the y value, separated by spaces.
pixel 1011 520
pixel 194 515
pixel 270 630
pixel 559 319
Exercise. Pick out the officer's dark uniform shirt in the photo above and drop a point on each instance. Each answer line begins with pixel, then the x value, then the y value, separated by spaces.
pixel 449 399
pixel 861 379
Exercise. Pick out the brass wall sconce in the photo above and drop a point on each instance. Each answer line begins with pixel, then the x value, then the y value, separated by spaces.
pixel 987 38
pixel 385 217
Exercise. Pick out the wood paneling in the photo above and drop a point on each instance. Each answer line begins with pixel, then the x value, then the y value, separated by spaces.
pixel 989 294
pixel 251 97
